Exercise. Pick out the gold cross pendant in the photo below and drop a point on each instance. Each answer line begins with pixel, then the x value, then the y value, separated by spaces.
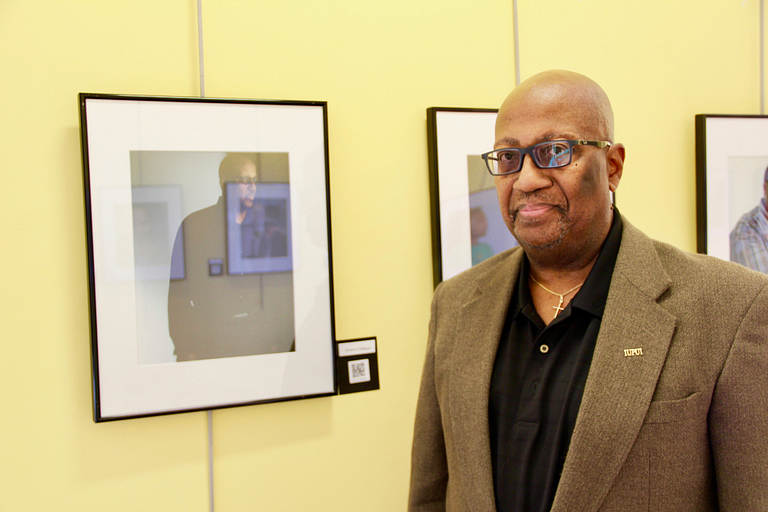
pixel 558 308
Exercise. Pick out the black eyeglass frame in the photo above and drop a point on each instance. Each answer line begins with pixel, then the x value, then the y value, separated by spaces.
pixel 530 150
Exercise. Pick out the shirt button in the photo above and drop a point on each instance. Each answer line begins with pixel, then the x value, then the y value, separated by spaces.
pixel 544 349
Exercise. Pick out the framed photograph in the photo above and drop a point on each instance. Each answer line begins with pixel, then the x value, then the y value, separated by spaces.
pixel 731 188
pixel 209 253
pixel 467 226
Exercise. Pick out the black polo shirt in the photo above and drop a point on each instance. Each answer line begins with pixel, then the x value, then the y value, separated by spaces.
pixel 537 384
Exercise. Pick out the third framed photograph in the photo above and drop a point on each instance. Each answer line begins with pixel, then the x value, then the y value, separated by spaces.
pixel 467 226
pixel 732 188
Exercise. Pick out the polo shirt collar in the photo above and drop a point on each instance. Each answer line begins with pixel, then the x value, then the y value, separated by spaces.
pixel 593 294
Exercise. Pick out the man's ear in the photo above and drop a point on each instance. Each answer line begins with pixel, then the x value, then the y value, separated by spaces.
pixel 615 156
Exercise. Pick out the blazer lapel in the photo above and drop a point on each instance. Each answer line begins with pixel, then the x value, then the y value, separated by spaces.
pixel 620 384
pixel 479 325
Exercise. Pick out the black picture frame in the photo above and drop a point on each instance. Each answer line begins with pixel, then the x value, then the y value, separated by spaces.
pixel 731 159
pixel 462 189
pixel 174 150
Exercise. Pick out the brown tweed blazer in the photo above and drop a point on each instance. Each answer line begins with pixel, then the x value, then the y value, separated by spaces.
pixel 681 427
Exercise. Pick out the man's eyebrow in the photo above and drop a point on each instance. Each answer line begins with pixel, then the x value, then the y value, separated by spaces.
pixel 507 142
pixel 511 142
pixel 558 135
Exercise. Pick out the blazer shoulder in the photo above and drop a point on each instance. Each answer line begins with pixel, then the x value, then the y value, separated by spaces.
pixel 711 272
pixel 709 290
pixel 658 267
pixel 489 274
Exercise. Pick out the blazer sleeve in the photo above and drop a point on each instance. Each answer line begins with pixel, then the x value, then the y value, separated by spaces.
pixel 429 467
pixel 738 416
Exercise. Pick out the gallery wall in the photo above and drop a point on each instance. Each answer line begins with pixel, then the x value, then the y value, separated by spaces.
pixel 379 65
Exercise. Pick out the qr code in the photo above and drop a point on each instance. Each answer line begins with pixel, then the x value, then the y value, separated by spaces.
pixel 359 371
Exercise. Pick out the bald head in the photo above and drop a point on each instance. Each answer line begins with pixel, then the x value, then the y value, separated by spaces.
pixel 562 93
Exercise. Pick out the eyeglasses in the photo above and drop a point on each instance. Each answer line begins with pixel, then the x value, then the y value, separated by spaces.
pixel 246 180
pixel 546 155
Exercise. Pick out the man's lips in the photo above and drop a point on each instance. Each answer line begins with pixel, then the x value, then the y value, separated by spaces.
pixel 532 211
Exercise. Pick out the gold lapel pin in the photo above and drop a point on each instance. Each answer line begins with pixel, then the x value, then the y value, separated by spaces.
pixel 629 352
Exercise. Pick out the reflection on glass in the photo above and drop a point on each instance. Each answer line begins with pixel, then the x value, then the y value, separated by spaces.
pixel 196 299
pixel 214 313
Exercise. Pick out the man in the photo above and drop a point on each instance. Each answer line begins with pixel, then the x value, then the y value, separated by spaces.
pixel 749 238
pixel 214 312
pixel 591 369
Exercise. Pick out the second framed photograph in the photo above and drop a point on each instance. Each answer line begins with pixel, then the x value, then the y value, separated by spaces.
pixel 467 226
pixel 732 188
pixel 208 226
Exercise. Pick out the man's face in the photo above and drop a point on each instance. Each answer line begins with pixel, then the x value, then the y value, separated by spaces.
pixel 546 208
pixel 247 184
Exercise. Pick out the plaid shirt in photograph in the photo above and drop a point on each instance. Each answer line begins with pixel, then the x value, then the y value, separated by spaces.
pixel 749 239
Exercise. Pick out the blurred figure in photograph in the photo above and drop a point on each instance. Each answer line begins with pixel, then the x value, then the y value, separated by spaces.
pixel 251 221
pixel 478 227
pixel 274 242
pixel 749 238
pixel 263 230
pixel 213 313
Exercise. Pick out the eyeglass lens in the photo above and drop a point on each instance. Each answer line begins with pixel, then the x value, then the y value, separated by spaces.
pixel 552 154
pixel 546 155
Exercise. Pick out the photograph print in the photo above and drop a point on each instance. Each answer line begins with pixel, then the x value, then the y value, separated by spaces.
pixel 732 188
pixel 467 227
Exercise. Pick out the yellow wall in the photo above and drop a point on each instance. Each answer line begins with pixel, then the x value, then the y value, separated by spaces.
pixel 379 65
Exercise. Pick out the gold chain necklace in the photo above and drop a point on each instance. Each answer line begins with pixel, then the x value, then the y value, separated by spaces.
pixel 559 307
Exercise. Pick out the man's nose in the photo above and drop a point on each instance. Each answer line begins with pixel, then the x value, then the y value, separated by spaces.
pixel 530 178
